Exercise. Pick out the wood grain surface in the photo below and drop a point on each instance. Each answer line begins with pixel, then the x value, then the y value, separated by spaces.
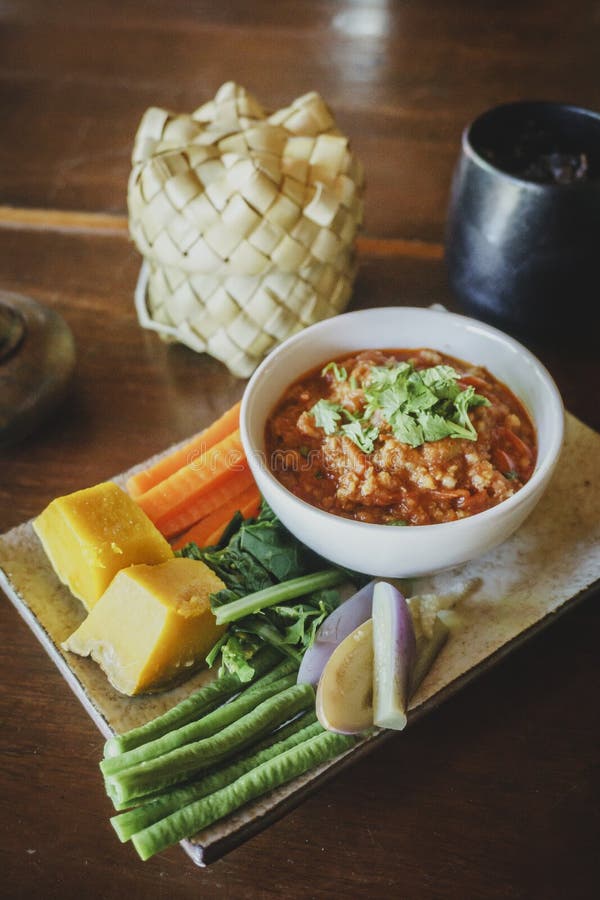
pixel 496 794
pixel 403 77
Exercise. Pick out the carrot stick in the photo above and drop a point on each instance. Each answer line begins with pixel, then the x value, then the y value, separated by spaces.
pixel 189 483
pixel 206 503
pixel 216 521
pixel 248 512
pixel 143 481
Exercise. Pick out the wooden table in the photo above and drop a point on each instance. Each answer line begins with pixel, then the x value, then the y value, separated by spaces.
pixel 494 795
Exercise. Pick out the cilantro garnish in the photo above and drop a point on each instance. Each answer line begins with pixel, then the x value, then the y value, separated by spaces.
pixel 463 402
pixel 407 429
pixel 327 415
pixel 363 437
pixel 339 372
pixel 419 405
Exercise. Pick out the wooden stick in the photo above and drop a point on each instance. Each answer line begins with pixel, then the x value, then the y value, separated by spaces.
pixel 114 224
pixel 389 248
pixel 63 220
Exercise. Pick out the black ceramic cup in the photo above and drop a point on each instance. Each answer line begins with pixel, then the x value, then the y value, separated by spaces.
pixel 523 230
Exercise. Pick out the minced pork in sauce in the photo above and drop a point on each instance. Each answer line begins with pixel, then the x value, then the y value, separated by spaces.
pixel 396 483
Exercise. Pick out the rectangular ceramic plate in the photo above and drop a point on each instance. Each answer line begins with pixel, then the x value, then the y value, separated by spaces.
pixel 516 589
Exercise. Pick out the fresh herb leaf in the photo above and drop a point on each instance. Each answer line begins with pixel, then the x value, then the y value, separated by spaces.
pixel 339 372
pixel 406 429
pixel 419 404
pixel 301 620
pixel 442 380
pixel 464 401
pixel 435 427
pixel 391 399
pixel 462 431
pixel 399 522
pixel 420 397
pixel 387 376
pixel 348 414
pixel 326 415
pixel 259 553
pixel 364 438
pixel 511 475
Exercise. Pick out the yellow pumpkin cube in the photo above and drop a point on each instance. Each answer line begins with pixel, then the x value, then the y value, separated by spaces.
pixel 90 535
pixel 152 624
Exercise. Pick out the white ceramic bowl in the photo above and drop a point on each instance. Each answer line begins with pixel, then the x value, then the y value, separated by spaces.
pixel 415 550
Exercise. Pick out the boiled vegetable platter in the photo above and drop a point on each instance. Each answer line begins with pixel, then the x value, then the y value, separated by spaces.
pixel 506 596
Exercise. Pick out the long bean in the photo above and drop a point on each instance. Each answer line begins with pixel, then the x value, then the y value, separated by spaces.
pixel 184 762
pixel 267 776
pixel 195 731
pixel 286 666
pixel 209 724
pixel 282 731
pixel 128 823
pixel 198 703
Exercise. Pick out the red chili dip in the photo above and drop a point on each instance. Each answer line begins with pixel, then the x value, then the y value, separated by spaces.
pixel 358 453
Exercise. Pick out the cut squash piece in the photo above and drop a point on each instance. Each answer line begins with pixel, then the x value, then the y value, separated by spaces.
pixel 92 534
pixel 151 625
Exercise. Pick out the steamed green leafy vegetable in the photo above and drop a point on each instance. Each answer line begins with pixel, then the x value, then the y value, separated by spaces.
pixel 264 566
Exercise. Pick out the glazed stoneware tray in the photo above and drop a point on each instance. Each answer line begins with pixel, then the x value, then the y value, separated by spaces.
pixel 548 565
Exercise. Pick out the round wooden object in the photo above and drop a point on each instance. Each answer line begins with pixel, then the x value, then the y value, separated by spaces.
pixel 37 356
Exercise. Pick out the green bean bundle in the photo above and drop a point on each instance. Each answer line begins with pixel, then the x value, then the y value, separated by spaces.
pixel 281 676
pixel 128 823
pixel 190 709
pixel 182 763
pixel 270 774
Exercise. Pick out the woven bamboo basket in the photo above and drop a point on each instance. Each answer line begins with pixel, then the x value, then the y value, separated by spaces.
pixel 246 222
